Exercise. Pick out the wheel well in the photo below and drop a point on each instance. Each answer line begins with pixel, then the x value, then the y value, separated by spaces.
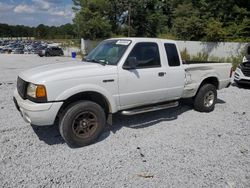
pixel 90 96
pixel 211 80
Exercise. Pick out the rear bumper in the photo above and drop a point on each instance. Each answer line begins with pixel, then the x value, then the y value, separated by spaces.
pixel 239 77
pixel 40 114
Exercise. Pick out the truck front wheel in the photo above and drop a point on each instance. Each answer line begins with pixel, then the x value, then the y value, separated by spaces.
pixel 206 98
pixel 82 123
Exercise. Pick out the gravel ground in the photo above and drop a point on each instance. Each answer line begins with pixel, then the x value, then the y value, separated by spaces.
pixel 169 148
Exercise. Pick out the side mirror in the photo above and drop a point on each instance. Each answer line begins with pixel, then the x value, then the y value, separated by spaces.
pixel 131 63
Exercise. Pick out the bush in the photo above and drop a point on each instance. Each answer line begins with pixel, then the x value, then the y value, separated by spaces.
pixel 234 60
pixel 167 36
pixel 217 59
pixel 185 55
pixel 201 56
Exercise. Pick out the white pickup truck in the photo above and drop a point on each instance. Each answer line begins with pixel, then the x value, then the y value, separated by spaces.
pixel 126 75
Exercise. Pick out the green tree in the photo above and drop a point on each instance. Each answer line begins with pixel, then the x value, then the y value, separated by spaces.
pixel 207 20
pixel 42 31
pixel 215 31
pixel 187 23
pixel 231 18
pixel 91 20
pixel 147 18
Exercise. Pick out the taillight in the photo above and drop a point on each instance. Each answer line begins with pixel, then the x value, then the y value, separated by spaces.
pixel 231 72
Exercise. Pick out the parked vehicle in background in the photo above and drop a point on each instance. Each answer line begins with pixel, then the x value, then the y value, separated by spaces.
pixel 18 51
pixel 7 50
pixel 247 55
pixel 51 51
pixel 39 49
pixel 22 46
pixel 242 72
pixel 126 75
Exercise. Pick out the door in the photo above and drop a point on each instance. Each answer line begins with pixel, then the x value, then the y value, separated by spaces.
pixel 175 74
pixel 145 83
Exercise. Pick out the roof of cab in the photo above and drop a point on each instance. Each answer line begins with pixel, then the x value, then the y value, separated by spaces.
pixel 144 39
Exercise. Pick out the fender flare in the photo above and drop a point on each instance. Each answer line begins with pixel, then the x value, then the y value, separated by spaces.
pixel 90 88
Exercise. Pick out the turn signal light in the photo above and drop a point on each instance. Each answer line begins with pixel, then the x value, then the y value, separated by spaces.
pixel 41 91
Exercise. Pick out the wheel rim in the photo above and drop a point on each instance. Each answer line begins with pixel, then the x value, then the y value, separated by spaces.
pixel 209 99
pixel 85 124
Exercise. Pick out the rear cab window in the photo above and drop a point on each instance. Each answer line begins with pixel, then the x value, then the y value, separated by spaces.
pixel 172 54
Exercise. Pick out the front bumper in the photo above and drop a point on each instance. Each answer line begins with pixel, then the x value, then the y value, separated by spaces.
pixel 40 114
pixel 239 77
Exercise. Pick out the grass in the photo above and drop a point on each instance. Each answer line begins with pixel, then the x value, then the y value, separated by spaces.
pixel 234 60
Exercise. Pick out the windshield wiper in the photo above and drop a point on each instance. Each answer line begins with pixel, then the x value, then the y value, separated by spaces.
pixel 96 61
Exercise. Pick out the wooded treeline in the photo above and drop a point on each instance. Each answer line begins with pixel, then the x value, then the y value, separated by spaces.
pixel 206 20
pixel 40 32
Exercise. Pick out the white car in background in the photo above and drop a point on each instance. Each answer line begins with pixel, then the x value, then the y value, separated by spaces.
pixel 242 72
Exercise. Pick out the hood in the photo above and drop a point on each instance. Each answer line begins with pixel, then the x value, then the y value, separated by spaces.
pixel 66 70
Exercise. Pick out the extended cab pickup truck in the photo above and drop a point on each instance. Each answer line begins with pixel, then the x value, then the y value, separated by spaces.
pixel 126 75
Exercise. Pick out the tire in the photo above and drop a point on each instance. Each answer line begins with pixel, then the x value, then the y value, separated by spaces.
pixel 47 54
pixel 82 123
pixel 205 98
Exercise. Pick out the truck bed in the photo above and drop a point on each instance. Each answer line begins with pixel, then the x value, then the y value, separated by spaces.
pixel 196 73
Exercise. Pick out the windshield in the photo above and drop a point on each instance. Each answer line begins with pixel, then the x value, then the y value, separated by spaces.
pixel 108 52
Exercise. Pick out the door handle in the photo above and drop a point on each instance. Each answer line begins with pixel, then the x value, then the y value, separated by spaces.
pixel 111 80
pixel 161 74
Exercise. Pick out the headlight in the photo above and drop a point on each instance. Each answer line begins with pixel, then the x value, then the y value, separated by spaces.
pixel 36 93
pixel 31 90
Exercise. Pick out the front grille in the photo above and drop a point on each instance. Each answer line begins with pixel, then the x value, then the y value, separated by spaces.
pixel 22 87
pixel 246 69
pixel 246 72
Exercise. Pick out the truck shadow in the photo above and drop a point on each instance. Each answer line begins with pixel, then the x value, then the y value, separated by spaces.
pixel 219 101
pixel 149 119
pixel 241 86
pixel 51 135
pixel 152 118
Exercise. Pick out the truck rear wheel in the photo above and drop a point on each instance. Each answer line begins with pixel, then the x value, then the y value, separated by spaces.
pixel 206 98
pixel 82 123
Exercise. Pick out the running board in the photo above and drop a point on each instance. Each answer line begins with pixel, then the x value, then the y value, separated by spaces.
pixel 150 108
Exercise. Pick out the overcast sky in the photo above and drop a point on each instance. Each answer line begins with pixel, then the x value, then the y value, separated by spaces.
pixel 35 12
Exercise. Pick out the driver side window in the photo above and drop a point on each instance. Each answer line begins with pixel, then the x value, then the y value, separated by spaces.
pixel 146 54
